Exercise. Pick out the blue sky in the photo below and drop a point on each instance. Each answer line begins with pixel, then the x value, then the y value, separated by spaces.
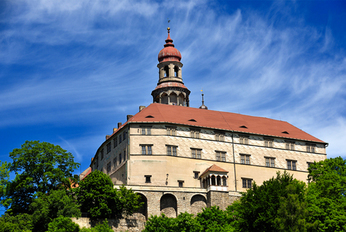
pixel 71 70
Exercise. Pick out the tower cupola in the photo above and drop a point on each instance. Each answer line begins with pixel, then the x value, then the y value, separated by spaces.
pixel 170 89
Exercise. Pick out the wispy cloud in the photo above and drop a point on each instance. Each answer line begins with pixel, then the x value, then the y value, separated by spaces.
pixel 82 62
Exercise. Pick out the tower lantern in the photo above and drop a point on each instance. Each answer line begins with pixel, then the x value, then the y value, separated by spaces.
pixel 170 89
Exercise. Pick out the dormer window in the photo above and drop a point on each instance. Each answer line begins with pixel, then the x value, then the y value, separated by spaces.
pixel 243 126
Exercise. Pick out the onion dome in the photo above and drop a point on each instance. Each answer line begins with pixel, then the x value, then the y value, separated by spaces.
pixel 169 52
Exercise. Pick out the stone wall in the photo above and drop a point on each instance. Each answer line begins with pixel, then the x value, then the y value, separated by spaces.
pixel 136 222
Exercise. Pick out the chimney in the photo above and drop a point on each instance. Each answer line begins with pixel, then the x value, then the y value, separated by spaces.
pixel 115 129
pixel 129 116
pixel 119 124
pixel 107 137
pixel 141 108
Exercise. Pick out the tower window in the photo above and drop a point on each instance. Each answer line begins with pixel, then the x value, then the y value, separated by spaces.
pixel 290 146
pixel 220 155
pixel 109 165
pixel 101 154
pixel 194 133
pixel 146 130
pixel 196 153
pixel 171 150
pixel 244 159
pixel 196 173
pixel 181 183
pixel 247 183
pixel 147 178
pixel 268 143
pixel 171 131
pixel 109 147
pixel 243 140
pixel 270 162
pixel 147 149
pixel 292 164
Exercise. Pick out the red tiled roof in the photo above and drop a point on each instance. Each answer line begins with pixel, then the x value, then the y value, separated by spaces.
pixel 170 84
pixel 220 120
pixel 214 168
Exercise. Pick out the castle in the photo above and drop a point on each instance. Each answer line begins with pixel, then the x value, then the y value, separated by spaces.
pixel 182 159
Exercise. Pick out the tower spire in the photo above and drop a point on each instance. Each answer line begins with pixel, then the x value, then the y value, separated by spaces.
pixel 170 89
pixel 203 106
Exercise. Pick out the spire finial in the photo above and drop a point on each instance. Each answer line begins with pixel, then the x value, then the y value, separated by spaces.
pixel 203 106
pixel 168 28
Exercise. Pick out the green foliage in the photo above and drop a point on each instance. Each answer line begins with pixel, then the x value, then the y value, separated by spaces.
pixel 214 219
pixel 98 197
pixel 4 178
pixel 258 207
pixel 18 223
pixel 62 224
pixel 327 195
pixel 210 220
pixel 184 222
pixel 101 227
pixel 46 208
pixel 39 168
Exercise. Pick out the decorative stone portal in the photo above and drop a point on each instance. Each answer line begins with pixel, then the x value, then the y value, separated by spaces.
pixel 168 205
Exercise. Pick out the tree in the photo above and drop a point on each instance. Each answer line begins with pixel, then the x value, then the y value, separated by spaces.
pixel 4 178
pixel 20 223
pixel 327 194
pixel 214 219
pixel 62 224
pixel 97 196
pixel 39 167
pixel 46 208
pixel 258 207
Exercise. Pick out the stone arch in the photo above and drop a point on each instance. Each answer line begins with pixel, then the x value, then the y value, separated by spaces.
pixel 173 98
pixel 213 182
pixel 166 71
pixel 197 203
pixel 143 211
pixel 168 205
pixel 164 98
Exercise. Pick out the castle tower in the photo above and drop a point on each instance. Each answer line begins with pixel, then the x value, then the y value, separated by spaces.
pixel 170 89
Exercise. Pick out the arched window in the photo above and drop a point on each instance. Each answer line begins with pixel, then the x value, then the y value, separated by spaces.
pixel 166 71
pixel 224 181
pixel 213 180
pixel 218 180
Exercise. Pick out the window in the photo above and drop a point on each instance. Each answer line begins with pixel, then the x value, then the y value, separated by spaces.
pixel 109 147
pixel 109 167
pixel 119 158
pixel 196 153
pixel 146 130
pixel 220 155
pixel 115 162
pixel 268 143
pixel 147 149
pixel 194 133
pixel 101 154
pixel 247 183
pixel 124 135
pixel 181 183
pixel 196 173
pixel 244 159
pixel 219 137
pixel 115 142
pixel 147 178
pixel 171 131
pixel 119 138
pixel 290 146
pixel 125 156
pixel 310 148
pixel 292 164
pixel 243 140
pixel 171 150
pixel 270 162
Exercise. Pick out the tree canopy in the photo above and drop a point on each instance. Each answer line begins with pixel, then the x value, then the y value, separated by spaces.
pixel 97 196
pixel 39 167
